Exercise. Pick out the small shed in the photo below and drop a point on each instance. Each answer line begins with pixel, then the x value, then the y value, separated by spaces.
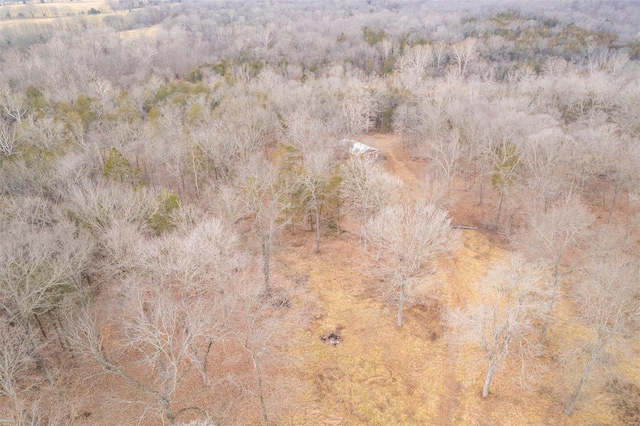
pixel 358 149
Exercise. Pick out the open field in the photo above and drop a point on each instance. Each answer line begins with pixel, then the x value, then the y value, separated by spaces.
pixel 14 14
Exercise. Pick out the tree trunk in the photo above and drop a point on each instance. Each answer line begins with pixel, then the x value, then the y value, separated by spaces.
pixel 225 305
pixel 266 256
pixel 201 364
pixel 184 186
pixel 166 406
pixel 263 406
pixel 33 346
pixel 317 230
pixel 481 190
pixel 487 380
pixel 365 219
pixel 40 326
pixel 58 328
pixel 195 174
pixel 9 390
pixel 552 301
pixel 587 371
pixel 400 305
pixel 613 201
pixel 499 210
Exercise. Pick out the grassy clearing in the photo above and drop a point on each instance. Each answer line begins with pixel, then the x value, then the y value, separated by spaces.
pixel 380 374
pixel 37 11
pixel 40 13
pixel 147 32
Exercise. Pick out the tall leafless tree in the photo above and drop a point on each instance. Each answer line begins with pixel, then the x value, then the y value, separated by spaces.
pixel 406 239
pixel 553 237
pixel 264 194
pixel 17 358
pixel 608 302
pixel 367 188
pixel 511 300
pixel 42 261
pixel 162 329
pixel 8 139
pixel 314 183
pixel 464 53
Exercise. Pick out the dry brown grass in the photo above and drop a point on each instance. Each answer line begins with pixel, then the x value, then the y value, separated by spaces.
pixel 43 12
pixel 66 12
pixel 380 374
pixel 148 32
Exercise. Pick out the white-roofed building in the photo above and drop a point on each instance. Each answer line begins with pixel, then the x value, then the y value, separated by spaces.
pixel 359 149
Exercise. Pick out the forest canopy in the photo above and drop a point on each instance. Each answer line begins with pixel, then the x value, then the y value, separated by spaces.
pixel 186 232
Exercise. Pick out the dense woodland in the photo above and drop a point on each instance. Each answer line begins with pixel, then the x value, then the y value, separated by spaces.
pixel 155 159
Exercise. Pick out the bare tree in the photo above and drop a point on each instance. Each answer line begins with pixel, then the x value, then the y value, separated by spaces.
pixel 46 133
pixel 358 106
pixel 546 156
pixel 503 153
pixel 413 64
pixel 262 328
pixel 608 302
pixel 445 153
pixel 592 145
pixel 552 237
pixel 166 333
pixel 253 332
pixel 210 139
pixel 367 188
pixel 13 104
pixel 100 206
pixel 17 359
pixel 439 54
pixel 407 238
pixel 314 182
pixel 208 258
pixel 464 53
pixel 310 164
pixel 625 172
pixel 264 195
pixel 8 139
pixel 161 330
pixel 511 299
pixel 174 307
pixel 42 261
